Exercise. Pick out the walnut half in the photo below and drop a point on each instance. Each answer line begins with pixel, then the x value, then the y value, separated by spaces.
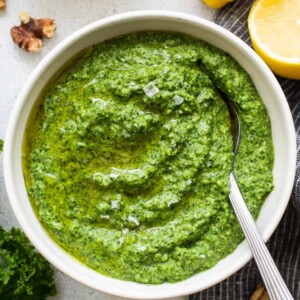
pixel 2 4
pixel 30 33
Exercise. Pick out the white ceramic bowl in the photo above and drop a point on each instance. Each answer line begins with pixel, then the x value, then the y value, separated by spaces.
pixel 267 86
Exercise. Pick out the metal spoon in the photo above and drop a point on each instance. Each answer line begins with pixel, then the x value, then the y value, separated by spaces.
pixel 274 283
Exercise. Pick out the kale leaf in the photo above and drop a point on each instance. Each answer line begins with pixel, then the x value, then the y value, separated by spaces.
pixel 24 274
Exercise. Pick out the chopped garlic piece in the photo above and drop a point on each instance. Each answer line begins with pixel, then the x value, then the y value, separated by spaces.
pixel 151 89
pixel 134 220
pixel 178 100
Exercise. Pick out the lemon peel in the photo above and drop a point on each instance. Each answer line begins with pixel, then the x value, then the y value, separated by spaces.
pixel 217 3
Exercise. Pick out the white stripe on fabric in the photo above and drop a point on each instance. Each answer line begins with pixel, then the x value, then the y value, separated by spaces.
pixel 298 129
pixel 295 121
pixel 241 276
pixel 291 248
pixel 237 20
pixel 229 11
pixel 288 89
pixel 295 107
pixel 294 279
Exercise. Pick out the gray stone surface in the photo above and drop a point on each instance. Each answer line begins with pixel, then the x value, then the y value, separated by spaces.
pixel 16 65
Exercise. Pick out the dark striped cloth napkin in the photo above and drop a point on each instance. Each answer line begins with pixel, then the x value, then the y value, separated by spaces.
pixel 284 244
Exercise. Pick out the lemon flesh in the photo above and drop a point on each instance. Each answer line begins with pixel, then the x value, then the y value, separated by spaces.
pixel 274 27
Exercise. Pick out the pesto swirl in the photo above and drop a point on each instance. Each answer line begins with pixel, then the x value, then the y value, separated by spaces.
pixel 130 151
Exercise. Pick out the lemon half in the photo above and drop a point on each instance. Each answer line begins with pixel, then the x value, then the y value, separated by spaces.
pixel 274 27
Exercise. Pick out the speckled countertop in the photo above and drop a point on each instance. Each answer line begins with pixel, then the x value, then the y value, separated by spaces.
pixel 16 65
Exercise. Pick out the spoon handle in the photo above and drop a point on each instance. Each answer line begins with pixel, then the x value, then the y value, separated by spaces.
pixel 274 283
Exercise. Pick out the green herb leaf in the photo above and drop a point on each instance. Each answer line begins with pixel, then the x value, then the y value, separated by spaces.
pixel 24 274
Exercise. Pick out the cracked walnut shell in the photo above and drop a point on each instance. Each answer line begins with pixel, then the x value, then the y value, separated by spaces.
pixel 30 33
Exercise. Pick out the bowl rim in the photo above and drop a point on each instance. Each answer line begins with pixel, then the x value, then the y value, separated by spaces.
pixel 52 56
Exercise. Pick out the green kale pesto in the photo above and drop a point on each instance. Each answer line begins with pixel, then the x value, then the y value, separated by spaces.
pixel 128 157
